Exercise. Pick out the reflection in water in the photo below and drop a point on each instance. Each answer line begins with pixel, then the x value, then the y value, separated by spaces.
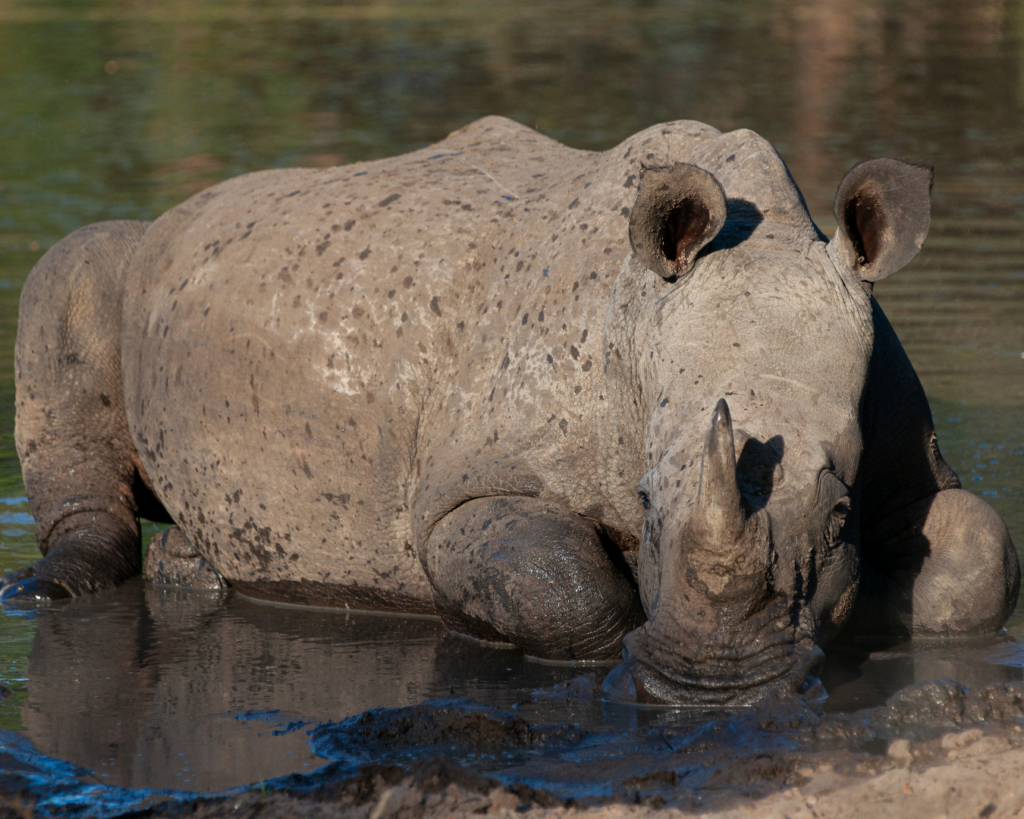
pixel 157 687
pixel 862 675
pixel 145 685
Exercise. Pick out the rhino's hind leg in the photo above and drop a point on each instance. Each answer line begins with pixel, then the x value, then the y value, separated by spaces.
pixel 944 566
pixel 82 474
pixel 534 574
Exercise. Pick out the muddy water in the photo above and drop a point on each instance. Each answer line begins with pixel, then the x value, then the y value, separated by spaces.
pixel 159 688
pixel 121 110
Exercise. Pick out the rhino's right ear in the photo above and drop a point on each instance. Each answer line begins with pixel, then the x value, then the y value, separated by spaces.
pixel 678 210
pixel 883 207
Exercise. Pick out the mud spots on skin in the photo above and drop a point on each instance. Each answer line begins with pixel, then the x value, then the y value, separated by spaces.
pixel 253 543
pixel 412 273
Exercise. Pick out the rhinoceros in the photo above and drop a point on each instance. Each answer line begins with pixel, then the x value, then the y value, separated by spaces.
pixel 596 405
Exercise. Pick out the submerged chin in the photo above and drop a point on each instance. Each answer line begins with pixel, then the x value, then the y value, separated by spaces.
pixel 634 681
pixel 714 666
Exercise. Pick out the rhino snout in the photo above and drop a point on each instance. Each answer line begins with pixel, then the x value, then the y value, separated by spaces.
pixel 718 634
pixel 718 665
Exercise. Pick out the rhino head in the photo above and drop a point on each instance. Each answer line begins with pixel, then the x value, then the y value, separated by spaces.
pixel 747 337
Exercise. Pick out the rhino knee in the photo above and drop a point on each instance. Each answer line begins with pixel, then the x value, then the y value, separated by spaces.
pixel 970 579
pixel 172 560
pixel 531 573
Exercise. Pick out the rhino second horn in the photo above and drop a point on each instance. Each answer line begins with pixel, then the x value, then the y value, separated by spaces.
pixel 721 516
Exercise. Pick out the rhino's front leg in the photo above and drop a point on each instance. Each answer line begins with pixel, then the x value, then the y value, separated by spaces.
pixel 531 573
pixel 943 566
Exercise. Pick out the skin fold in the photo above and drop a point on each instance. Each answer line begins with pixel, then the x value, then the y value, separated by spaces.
pixel 592 404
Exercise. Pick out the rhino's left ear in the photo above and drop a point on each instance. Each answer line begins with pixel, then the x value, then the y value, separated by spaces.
pixel 678 210
pixel 883 207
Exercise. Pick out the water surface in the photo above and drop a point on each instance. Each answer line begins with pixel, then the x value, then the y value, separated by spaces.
pixel 165 688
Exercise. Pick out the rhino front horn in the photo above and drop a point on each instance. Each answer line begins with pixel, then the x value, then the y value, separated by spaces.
pixel 678 210
pixel 720 517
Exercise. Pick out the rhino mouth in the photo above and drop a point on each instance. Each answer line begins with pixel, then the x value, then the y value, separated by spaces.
pixel 716 666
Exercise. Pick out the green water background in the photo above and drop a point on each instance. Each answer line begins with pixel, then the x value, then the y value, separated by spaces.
pixel 116 109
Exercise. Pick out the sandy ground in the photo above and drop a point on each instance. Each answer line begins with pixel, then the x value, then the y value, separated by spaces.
pixel 984 779
pixel 963 774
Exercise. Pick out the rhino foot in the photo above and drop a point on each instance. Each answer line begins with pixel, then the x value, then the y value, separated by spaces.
pixel 171 560
pixel 91 552
pixel 24 587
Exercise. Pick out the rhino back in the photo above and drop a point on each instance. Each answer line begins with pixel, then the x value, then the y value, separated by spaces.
pixel 318 364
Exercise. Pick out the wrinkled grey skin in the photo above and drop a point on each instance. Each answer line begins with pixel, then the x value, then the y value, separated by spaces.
pixel 434 383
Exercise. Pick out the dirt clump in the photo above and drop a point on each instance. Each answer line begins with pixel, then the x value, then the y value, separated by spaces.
pixel 434 787
pixel 437 727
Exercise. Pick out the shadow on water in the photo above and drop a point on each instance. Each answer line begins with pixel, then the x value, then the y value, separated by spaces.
pixel 162 690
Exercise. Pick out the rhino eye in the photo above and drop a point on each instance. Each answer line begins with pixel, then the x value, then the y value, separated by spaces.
pixel 836 520
pixel 842 508
pixel 644 500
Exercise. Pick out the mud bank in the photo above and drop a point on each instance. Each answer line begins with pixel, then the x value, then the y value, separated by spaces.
pixel 933 749
pixel 984 783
